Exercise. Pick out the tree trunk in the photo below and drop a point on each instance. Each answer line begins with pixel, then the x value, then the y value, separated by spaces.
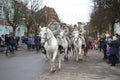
pixel 14 28
pixel 28 30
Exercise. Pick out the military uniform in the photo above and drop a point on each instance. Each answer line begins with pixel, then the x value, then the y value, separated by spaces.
pixel 66 30
pixel 82 33
pixel 75 28
pixel 54 27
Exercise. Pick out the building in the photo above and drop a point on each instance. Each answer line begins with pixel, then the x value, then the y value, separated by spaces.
pixel 117 25
pixel 5 28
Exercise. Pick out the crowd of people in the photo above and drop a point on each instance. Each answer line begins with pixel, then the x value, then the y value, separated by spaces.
pixel 10 43
pixel 110 47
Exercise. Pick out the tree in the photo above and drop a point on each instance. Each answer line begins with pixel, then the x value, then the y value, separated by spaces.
pixel 45 15
pixel 107 11
pixel 112 12
pixel 97 17
pixel 29 14
pixel 13 14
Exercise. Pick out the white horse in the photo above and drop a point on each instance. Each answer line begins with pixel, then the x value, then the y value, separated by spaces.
pixel 51 47
pixel 77 43
pixel 62 41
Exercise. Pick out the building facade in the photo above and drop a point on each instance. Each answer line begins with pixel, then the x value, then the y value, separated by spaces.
pixel 5 28
pixel 117 25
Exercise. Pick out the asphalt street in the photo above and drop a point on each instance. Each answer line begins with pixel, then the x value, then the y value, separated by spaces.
pixel 29 65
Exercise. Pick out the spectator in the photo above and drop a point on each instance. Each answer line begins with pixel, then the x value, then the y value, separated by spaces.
pixel 8 44
pixel 29 43
pixel 37 41
pixel 114 51
pixel 33 42
pixel 2 41
pixel 96 42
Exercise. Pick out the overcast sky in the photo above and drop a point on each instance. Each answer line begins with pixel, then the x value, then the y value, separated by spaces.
pixel 71 11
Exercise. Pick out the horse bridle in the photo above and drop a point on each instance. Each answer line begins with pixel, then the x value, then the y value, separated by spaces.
pixel 46 38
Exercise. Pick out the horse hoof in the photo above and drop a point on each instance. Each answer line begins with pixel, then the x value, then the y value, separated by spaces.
pixel 66 58
pixel 53 71
pixel 80 59
pixel 85 54
pixel 77 60
pixel 59 69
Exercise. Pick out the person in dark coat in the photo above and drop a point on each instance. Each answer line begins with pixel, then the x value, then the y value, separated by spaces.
pixel 102 40
pixel 8 44
pixel 37 41
pixel 103 46
pixel 118 41
pixel 29 43
pixel 114 51
pixel 17 39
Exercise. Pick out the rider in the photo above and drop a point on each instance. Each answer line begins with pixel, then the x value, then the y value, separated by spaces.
pixel 65 28
pixel 79 27
pixel 54 26
pixel 82 32
pixel 75 28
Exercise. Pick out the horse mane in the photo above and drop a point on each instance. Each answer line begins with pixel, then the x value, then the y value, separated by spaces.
pixel 49 31
pixel 62 32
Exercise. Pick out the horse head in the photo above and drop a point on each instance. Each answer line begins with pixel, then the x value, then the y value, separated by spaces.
pixel 75 34
pixel 45 34
pixel 61 35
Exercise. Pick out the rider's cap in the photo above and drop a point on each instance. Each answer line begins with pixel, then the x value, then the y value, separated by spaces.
pixel 79 23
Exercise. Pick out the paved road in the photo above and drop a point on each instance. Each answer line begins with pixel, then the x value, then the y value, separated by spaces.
pixel 24 65
pixel 27 65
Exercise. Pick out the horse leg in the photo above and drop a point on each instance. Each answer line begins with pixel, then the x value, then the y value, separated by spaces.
pixel 73 50
pixel 52 68
pixel 80 54
pixel 66 54
pixel 48 56
pixel 76 54
pixel 85 51
pixel 53 61
pixel 59 60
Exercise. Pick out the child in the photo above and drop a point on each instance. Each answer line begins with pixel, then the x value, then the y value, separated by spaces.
pixel 108 53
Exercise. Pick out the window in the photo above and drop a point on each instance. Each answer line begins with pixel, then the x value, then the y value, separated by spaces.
pixel 1 3
pixel 0 8
pixel 0 14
